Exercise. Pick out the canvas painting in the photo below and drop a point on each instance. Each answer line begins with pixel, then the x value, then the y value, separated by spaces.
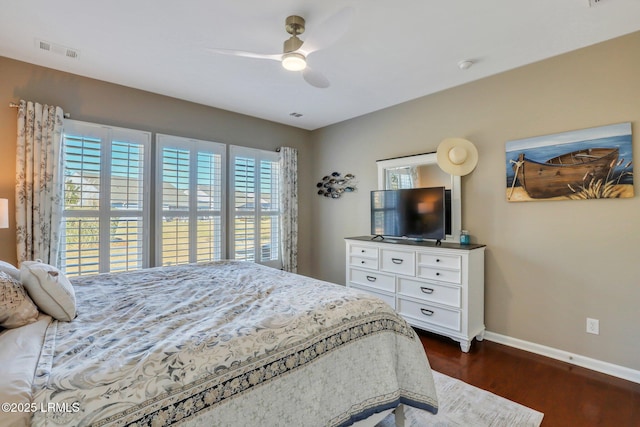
pixel 594 163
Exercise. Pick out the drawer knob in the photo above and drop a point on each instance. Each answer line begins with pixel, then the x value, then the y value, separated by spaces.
pixel 426 290
pixel 363 251
pixel 372 278
pixel 437 274
pixel 437 259
pixel 362 262
pixel 397 260
pixel 426 312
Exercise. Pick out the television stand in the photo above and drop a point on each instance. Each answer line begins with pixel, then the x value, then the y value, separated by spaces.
pixel 437 287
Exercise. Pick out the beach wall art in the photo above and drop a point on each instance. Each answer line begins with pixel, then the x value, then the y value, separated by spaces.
pixel 594 163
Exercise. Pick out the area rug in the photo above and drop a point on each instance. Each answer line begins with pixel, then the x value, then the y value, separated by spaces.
pixel 461 404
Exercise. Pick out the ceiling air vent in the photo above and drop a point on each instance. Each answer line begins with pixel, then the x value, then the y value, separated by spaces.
pixel 57 49
pixel 44 45
pixel 296 115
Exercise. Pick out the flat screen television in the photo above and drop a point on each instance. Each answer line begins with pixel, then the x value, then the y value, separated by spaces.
pixel 415 213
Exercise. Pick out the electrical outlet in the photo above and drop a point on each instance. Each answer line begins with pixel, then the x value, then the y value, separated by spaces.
pixel 593 326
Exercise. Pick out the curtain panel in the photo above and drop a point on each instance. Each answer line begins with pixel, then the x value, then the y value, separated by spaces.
pixel 39 191
pixel 289 208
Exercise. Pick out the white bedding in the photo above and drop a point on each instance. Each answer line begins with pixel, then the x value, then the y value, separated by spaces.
pixel 19 353
pixel 226 344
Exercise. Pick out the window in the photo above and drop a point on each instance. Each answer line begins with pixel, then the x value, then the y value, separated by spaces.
pixel 106 201
pixel 255 205
pixel 189 200
pixel 402 177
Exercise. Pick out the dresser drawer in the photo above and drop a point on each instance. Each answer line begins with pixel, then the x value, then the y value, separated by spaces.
pixel 439 261
pixel 358 261
pixel 430 291
pixel 426 313
pixel 389 299
pixel 450 276
pixel 398 262
pixel 372 279
pixel 363 251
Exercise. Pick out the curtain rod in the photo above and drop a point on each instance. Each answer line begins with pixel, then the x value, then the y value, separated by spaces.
pixel 14 105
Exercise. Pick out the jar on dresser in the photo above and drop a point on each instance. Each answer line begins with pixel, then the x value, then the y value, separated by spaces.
pixel 437 288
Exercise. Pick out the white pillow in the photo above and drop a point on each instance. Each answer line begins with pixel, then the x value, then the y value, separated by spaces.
pixel 10 270
pixel 50 289
pixel 16 308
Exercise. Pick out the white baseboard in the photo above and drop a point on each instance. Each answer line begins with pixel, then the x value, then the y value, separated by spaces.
pixel 575 359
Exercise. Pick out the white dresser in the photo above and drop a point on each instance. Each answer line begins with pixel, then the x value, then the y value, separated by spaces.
pixel 435 288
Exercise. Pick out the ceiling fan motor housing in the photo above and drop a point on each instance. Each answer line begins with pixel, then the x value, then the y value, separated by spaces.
pixel 292 44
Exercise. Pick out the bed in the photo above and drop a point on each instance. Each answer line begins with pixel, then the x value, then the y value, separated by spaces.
pixel 227 343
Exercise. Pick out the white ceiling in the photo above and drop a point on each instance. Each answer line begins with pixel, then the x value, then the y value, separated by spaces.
pixel 394 50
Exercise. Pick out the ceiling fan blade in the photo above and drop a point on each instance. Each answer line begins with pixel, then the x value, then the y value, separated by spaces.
pixel 328 32
pixel 315 78
pixel 245 54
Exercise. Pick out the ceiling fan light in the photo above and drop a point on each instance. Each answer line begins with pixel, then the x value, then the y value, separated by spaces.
pixel 294 61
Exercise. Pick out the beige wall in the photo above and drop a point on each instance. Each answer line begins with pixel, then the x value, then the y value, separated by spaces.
pixel 549 265
pixel 101 102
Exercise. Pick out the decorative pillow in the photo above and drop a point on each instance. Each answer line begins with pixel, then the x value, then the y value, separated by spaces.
pixel 10 270
pixel 16 308
pixel 50 289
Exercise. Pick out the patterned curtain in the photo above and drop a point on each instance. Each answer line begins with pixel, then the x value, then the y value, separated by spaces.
pixel 289 208
pixel 38 182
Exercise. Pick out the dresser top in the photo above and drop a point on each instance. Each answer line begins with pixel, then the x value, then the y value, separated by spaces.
pixel 423 243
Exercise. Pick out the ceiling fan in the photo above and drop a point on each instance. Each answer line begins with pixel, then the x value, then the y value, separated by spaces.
pixel 296 52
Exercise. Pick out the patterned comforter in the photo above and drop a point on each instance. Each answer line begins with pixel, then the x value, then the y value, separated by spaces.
pixel 226 344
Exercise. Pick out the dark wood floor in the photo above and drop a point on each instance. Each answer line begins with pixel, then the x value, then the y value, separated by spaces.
pixel 568 395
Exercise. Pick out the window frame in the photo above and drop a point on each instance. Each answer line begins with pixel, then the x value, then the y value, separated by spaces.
pixel 108 135
pixel 194 146
pixel 258 155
